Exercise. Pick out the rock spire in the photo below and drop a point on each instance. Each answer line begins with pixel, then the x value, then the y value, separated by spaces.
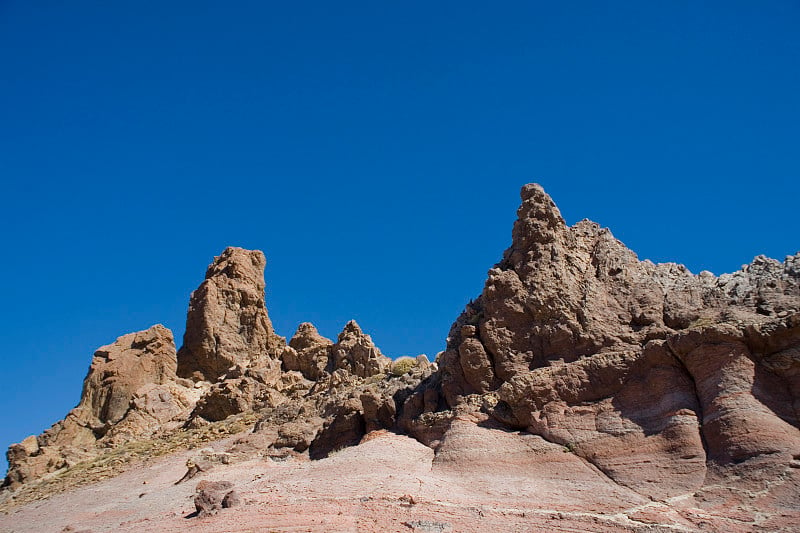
pixel 227 324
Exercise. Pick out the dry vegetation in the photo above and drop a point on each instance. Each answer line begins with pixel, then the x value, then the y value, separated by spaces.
pixel 116 460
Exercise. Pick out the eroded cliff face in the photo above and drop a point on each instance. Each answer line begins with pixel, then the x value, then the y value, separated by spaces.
pixel 662 379
pixel 231 363
pixel 130 392
pixel 677 388
pixel 227 324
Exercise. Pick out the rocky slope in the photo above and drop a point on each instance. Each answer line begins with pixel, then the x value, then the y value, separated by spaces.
pixel 231 362
pixel 668 383
pixel 643 391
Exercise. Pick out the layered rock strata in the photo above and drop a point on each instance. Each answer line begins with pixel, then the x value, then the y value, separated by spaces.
pixel 661 379
pixel 675 388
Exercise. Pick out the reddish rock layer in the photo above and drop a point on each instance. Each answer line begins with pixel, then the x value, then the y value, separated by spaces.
pixel 623 393
pixel 659 378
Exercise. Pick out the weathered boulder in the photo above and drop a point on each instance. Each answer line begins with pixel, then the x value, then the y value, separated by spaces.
pixel 344 427
pixel 213 496
pixel 236 395
pixel 227 323
pixel 154 409
pixel 379 409
pixel 122 368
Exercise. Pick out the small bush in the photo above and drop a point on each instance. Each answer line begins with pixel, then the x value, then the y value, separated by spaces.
pixel 403 365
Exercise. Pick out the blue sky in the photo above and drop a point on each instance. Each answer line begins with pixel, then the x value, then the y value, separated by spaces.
pixel 374 151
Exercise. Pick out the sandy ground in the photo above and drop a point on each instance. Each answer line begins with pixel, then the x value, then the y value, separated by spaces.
pixel 389 483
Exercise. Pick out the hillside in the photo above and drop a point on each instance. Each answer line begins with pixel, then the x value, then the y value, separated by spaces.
pixel 583 389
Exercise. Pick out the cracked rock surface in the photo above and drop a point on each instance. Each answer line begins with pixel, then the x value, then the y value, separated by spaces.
pixel 582 390
pixel 660 379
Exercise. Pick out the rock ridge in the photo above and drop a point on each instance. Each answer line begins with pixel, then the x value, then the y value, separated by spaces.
pixel 661 379
pixel 681 389
pixel 232 362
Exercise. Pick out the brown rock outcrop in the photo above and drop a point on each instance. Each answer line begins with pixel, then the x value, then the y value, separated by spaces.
pixel 315 356
pixel 227 323
pixel 308 352
pixel 355 352
pixel 132 390
pixel 659 378
pixel 342 404
pixel 129 392
pixel 239 393
pixel 655 395
pixel 120 369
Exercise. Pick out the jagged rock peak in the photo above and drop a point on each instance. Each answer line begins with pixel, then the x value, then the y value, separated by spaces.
pixel 562 293
pixel 354 351
pixel 307 353
pixel 227 323
pixel 538 218
pixel 645 370
pixel 307 336
pixel 351 328
pixel 238 263
pixel 537 204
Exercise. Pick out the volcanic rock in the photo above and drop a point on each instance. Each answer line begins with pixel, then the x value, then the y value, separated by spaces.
pixel 120 369
pixel 233 396
pixel 583 388
pixel 129 392
pixel 658 377
pixel 308 352
pixel 227 323
pixel 355 352
pixel 212 496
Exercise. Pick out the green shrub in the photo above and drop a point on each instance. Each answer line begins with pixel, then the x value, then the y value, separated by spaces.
pixel 402 365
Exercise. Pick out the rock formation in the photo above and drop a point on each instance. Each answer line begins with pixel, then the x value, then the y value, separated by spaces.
pixel 213 496
pixel 660 378
pixel 139 387
pixel 308 352
pixel 350 392
pixel 130 392
pixel 227 324
pixel 640 380
pixel 355 352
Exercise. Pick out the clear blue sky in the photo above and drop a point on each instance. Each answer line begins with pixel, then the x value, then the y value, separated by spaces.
pixel 374 151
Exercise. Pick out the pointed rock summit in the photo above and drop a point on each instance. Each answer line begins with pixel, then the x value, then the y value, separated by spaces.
pixel 315 356
pixel 660 378
pixel 581 377
pixel 562 293
pixel 308 352
pixel 227 323
pixel 355 352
